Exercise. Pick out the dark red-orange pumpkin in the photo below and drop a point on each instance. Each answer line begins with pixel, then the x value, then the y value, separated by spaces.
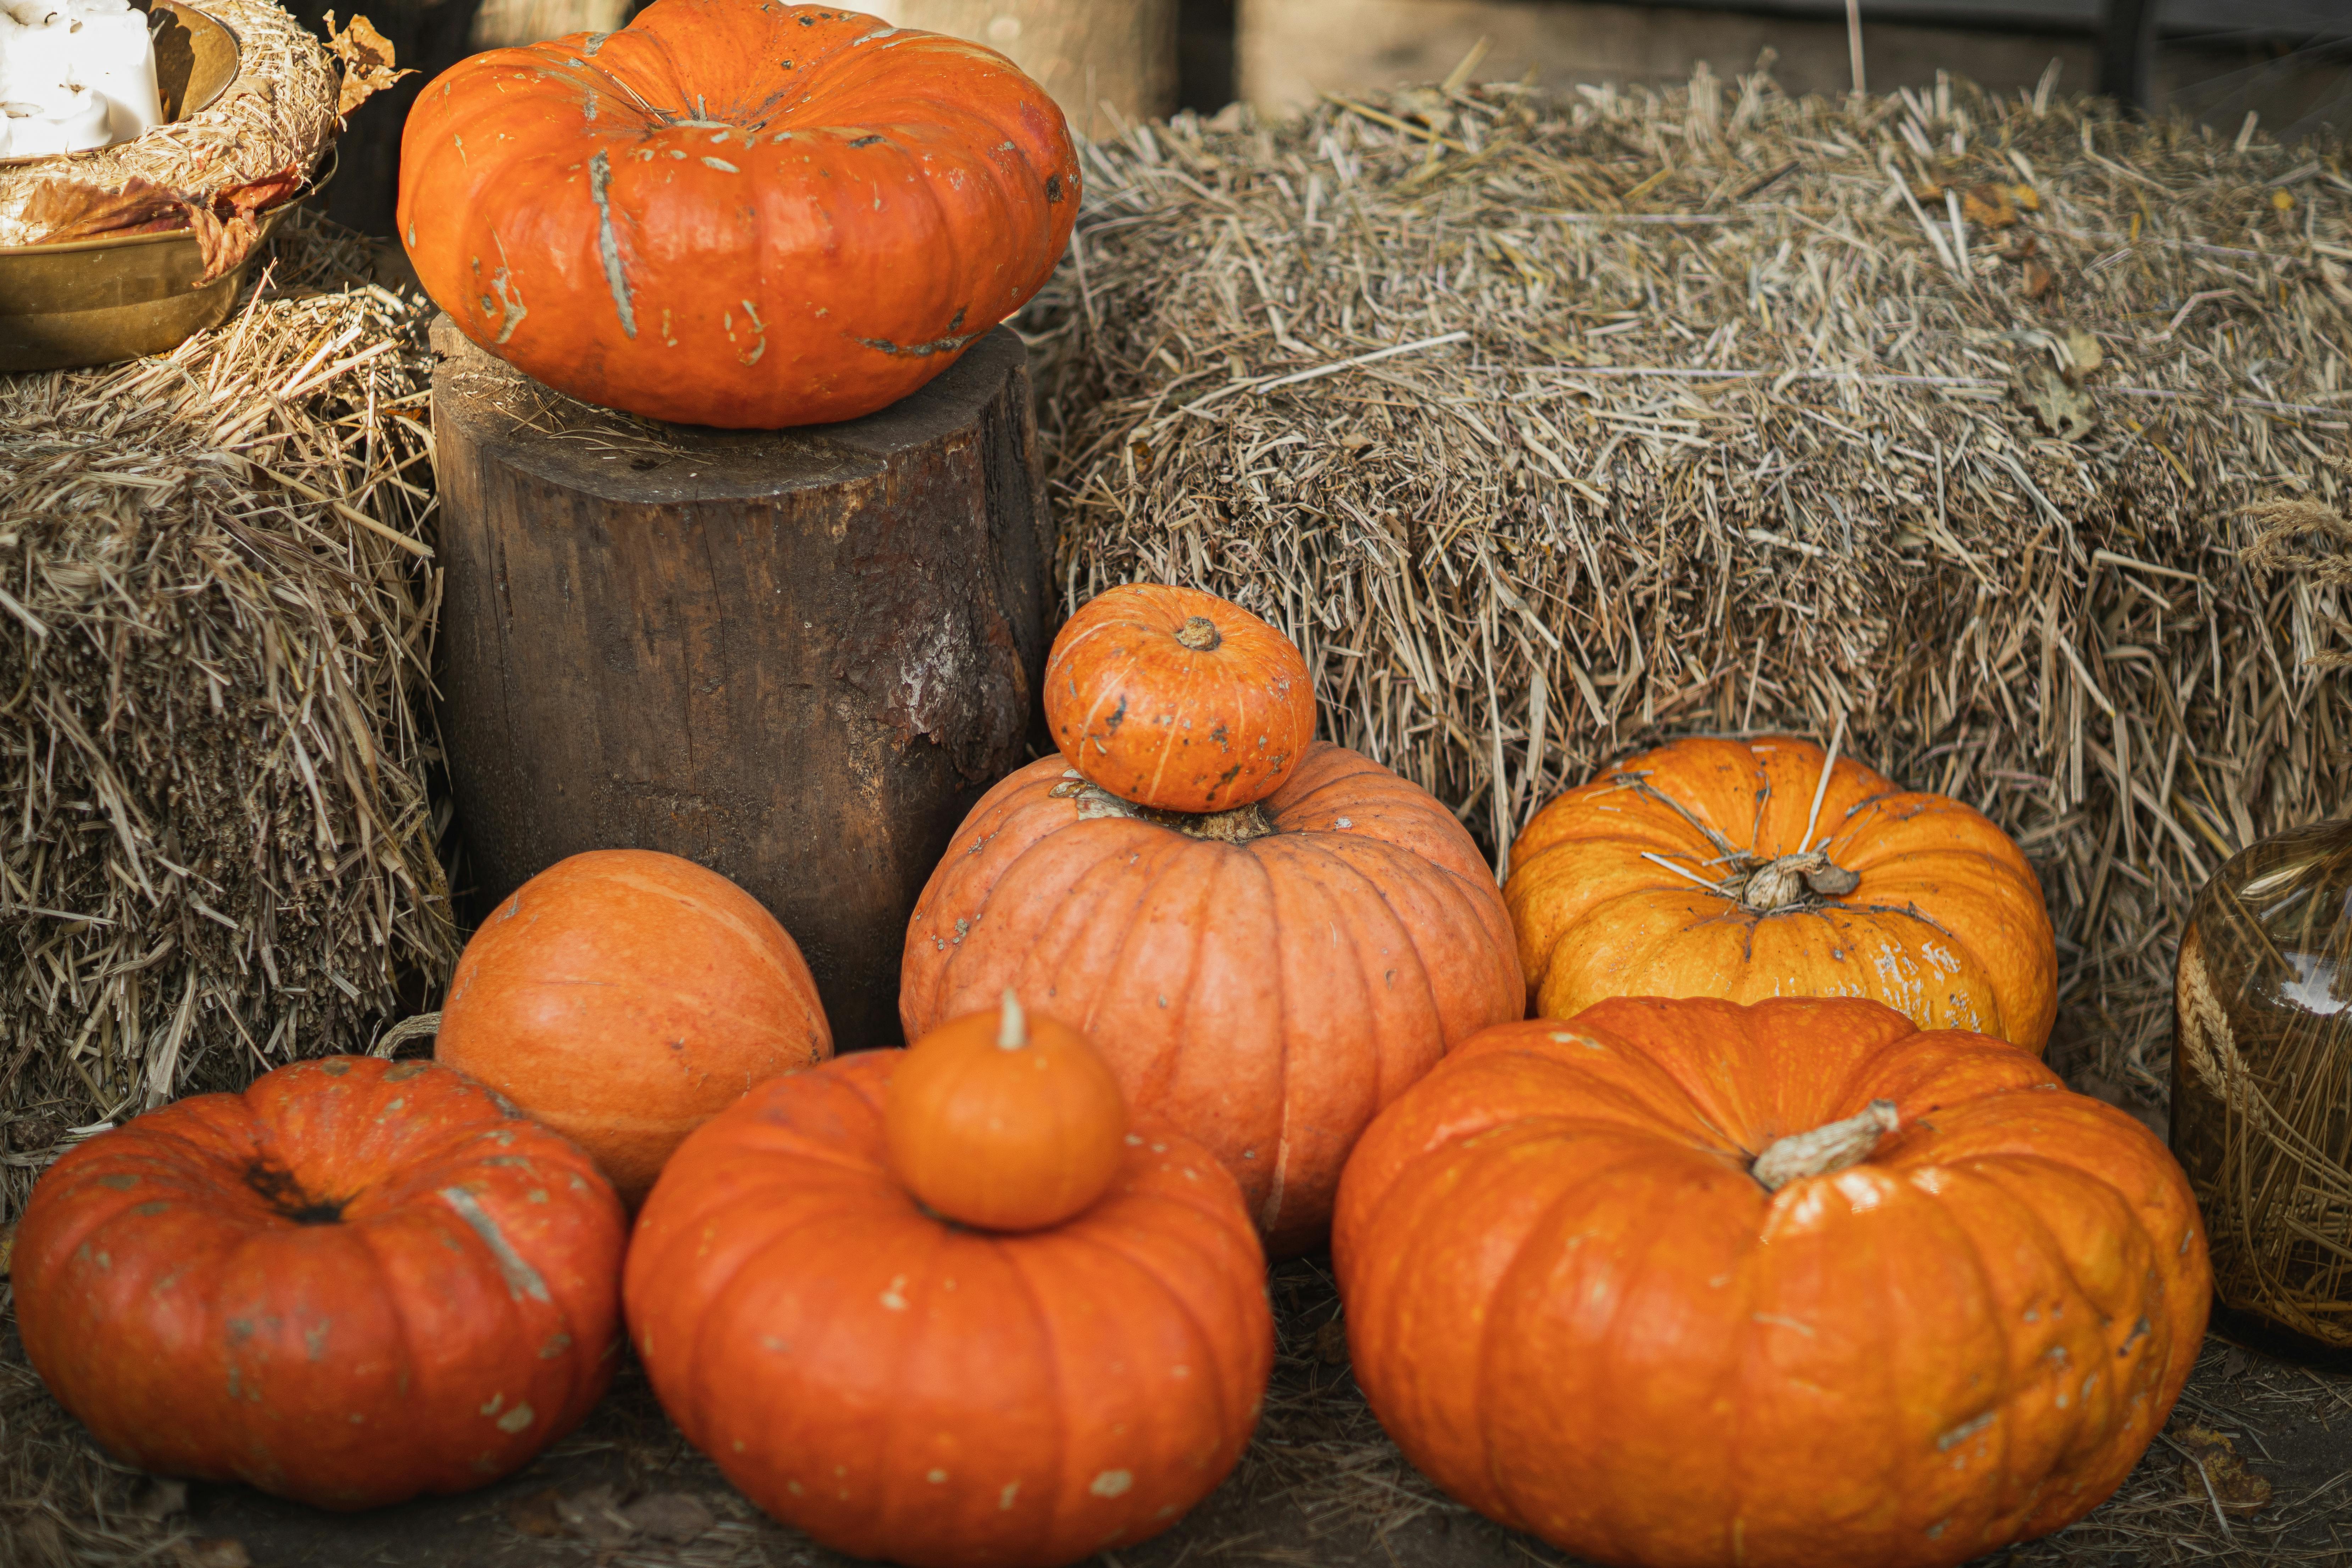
pixel 1176 698
pixel 1682 1284
pixel 736 213
pixel 910 1390
pixel 357 1281
pixel 623 996
pixel 1264 979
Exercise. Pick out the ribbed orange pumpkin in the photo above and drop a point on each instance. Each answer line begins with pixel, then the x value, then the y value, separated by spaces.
pixel 357 1281
pixel 1004 1120
pixel 736 213
pixel 1682 1284
pixel 623 996
pixel 1688 871
pixel 1265 979
pixel 1175 699
pixel 905 1389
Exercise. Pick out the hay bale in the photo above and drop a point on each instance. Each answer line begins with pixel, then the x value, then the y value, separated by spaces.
pixel 217 849
pixel 1716 410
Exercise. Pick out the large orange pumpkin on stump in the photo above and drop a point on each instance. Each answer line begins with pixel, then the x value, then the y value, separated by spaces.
pixel 1753 868
pixel 909 1389
pixel 357 1281
pixel 736 213
pixel 1176 698
pixel 1264 979
pixel 1682 1283
pixel 623 996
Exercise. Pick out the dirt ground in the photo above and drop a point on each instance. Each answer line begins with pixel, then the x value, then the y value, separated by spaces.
pixel 1320 1488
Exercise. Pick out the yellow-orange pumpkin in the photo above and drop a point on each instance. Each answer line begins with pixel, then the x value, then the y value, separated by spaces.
pixel 1732 869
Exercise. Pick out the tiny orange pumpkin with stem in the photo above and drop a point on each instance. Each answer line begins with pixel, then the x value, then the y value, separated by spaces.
pixel 1004 1120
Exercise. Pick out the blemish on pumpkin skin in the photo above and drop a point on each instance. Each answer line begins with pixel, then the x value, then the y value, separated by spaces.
pixel 608 243
pixel 121 1180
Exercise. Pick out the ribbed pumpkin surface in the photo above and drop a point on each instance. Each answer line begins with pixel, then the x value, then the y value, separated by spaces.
pixel 355 1282
pixel 914 1391
pixel 1266 988
pixel 1575 1307
pixel 736 213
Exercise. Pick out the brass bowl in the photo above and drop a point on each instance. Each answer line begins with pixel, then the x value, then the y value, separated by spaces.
pixel 95 302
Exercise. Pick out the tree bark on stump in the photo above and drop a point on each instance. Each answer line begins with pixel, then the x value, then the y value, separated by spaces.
pixel 795 656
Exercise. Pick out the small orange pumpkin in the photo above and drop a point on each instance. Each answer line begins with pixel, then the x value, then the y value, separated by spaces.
pixel 1753 868
pixel 622 996
pixel 1004 1120
pixel 1175 699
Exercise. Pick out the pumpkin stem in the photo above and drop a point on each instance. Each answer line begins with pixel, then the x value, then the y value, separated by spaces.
pixel 1777 884
pixel 1013 1032
pixel 282 1193
pixel 1200 634
pixel 1238 826
pixel 1826 1149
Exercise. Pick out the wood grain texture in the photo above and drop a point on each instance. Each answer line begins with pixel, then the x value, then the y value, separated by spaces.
pixel 1085 52
pixel 797 657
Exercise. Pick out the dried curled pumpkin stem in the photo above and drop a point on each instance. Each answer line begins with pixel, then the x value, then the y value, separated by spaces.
pixel 1200 634
pixel 1827 1148
pixel 1777 884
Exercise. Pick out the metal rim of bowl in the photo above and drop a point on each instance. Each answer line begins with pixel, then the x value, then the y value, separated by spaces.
pixel 188 110
pixel 327 167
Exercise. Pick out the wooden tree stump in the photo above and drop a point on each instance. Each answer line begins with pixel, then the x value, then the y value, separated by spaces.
pixel 795 656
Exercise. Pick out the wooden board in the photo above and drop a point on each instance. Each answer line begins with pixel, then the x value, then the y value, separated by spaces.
pixel 1086 53
pixel 1288 52
pixel 795 656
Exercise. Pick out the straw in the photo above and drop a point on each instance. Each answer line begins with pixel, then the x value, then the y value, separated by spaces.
pixel 1706 464
pixel 220 853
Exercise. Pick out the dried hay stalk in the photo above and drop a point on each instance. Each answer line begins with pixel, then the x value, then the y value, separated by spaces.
pixel 216 621
pixel 1735 414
